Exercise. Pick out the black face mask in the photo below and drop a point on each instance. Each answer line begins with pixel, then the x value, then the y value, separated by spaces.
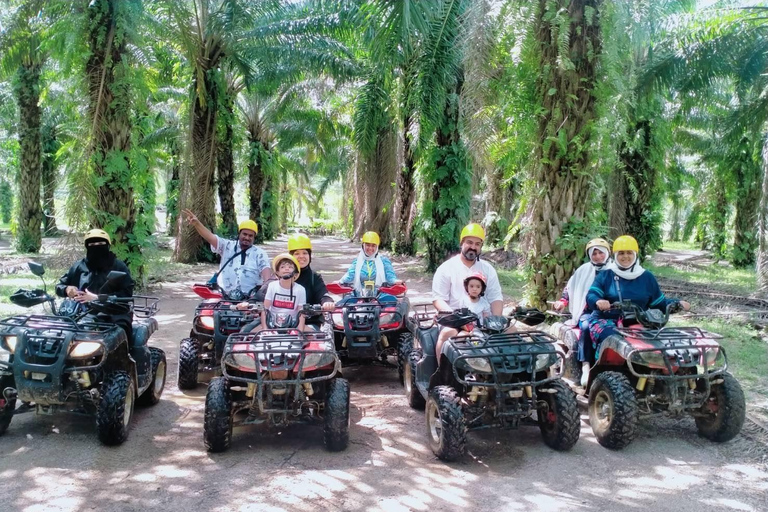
pixel 98 257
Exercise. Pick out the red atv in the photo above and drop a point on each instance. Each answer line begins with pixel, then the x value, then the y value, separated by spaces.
pixel 368 330
pixel 277 376
pixel 650 369
pixel 215 319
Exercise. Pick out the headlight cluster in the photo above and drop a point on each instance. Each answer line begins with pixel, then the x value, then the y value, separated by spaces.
pixel 84 349
pixel 318 360
pixel 338 320
pixel 480 364
pixel 240 360
pixel 7 347
pixel 206 321
pixel 542 362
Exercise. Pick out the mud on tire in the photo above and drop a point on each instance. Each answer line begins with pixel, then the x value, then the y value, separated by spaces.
pixel 217 423
pixel 725 422
pixel 446 427
pixel 613 410
pixel 6 411
pixel 336 416
pixel 405 346
pixel 560 423
pixel 412 393
pixel 113 417
pixel 159 367
pixel 188 363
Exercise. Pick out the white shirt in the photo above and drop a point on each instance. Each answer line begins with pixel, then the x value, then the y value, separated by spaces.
pixel 237 275
pixel 481 308
pixel 448 283
pixel 286 300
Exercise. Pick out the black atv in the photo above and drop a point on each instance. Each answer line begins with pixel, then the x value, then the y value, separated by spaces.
pixel 277 376
pixel 79 363
pixel 215 319
pixel 367 330
pixel 488 378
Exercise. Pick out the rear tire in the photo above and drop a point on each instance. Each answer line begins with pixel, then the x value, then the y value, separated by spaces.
pixel 446 427
pixel 613 410
pixel 6 412
pixel 113 419
pixel 152 394
pixel 412 392
pixel 404 348
pixel 188 363
pixel 572 366
pixel 560 424
pixel 726 408
pixel 336 416
pixel 217 423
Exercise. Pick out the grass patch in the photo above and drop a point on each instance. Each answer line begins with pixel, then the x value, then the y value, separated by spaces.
pixel 726 278
pixel 512 282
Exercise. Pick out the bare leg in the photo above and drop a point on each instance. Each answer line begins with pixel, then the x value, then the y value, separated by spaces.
pixel 446 333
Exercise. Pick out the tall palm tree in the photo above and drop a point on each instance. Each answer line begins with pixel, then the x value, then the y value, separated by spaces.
pixel 569 45
pixel 23 57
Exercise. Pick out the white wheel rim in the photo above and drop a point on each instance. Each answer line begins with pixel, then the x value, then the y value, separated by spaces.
pixel 159 378
pixel 127 412
pixel 407 384
pixel 434 423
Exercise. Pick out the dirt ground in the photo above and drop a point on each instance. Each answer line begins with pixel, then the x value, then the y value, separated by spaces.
pixel 52 463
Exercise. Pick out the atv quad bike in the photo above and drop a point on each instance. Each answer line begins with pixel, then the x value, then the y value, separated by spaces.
pixel 79 363
pixel 215 319
pixel 489 378
pixel 649 369
pixel 278 376
pixel 367 330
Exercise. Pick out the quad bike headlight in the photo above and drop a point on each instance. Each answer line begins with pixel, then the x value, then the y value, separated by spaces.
pixel 83 349
pixel 338 320
pixel 542 362
pixel 10 343
pixel 318 360
pixel 240 360
pixel 206 321
pixel 480 364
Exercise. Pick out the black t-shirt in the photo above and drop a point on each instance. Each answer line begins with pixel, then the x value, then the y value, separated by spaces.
pixel 82 276
pixel 314 285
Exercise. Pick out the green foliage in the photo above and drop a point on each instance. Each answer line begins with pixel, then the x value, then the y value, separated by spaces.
pixel 6 201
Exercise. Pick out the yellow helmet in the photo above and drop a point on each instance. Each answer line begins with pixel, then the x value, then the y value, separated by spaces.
pixel 285 256
pixel 598 242
pixel 248 224
pixel 299 241
pixel 472 229
pixel 97 234
pixel 371 237
pixel 625 243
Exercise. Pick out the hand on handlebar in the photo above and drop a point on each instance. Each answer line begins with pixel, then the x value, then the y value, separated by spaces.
pixel 85 296
pixel 328 306
pixel 558 305
pixel 603 305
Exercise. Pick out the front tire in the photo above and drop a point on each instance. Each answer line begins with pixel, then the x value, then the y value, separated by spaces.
pixel 217 423
pixel 725 409
pixel 113 418
pixel 188 363
pixel 404 348
pixel 8 407
pixel 152 394
pixel 446 427
pixel 336 416
pixel 559 422
pixel 613 410
pixel 571 363
pixel 412 392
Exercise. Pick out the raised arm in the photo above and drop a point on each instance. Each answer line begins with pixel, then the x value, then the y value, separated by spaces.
pixel 204 232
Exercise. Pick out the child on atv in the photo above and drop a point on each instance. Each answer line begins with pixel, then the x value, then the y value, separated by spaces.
pixel 284 296
pixel 475 301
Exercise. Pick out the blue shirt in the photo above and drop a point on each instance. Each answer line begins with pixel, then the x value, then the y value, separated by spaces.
pixel 643 291
pixel 368 272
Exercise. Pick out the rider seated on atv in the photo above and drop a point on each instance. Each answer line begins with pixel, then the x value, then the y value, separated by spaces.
pixel 244 267
pixel 88 277
pixel 300 247
pixel 284 296
pixel 475 302
pixel 575 295
pixel 370 266
pixel 622 280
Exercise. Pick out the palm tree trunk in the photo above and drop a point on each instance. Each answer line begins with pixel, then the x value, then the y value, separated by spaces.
pixel 27 92
pixel 406 194
pixel 110 113
pixel 172 190
pixel 451 191
pixel 226 167
pixel 566 86
pixel 197 192
pixel 269 206
pixel 745 240
pixel 762 225
pixel 256 179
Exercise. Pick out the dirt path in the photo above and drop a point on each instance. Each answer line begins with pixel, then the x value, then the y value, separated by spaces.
pixel 387 466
